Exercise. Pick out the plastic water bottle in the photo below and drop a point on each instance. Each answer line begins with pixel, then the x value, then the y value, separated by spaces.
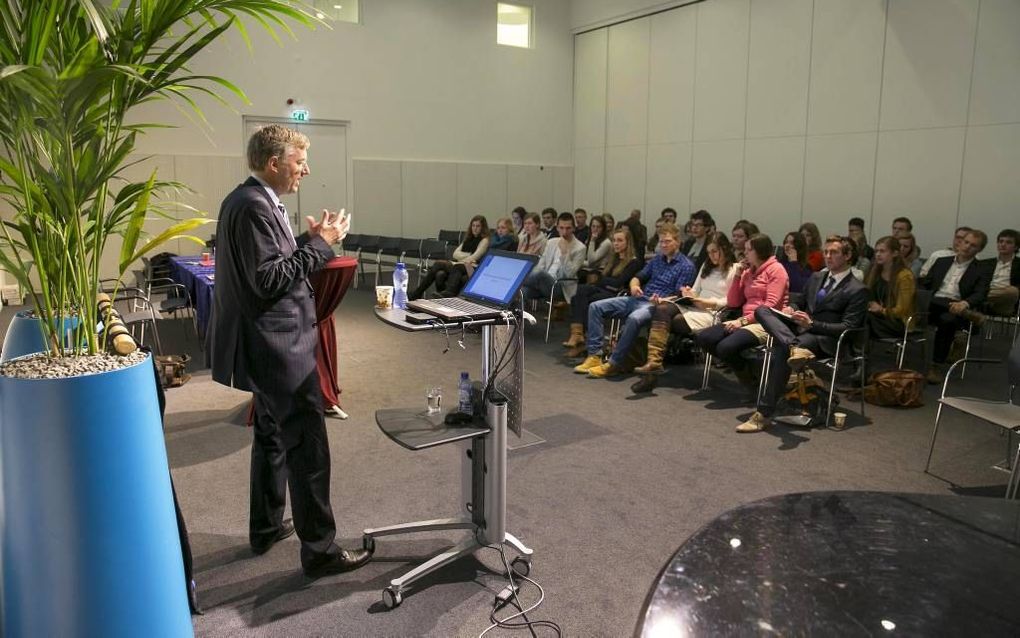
pixel 400 286
pixel 464 394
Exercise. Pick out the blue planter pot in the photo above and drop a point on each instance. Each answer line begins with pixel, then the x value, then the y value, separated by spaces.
pixel 24 336
pixel 90 543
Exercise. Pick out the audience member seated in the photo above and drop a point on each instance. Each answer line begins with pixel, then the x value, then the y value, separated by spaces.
pixel 908 250
pixel 665 275
pixel 813 238
pixel 599 249
pixel 652 245
pixel 623 265
pixel 1004 288
pixel 700 224
pixel 669 214
pixel 761 281
pixel 742 231
pixel 504 237
pixel 581 225
pixel 549 222
pixel 901 227
pixel 517 215
pixel 610 222
pixel 958 236
pixel 834 301
pixel 562 259
pixel 450 276
pixel 856 269
pixel 696 312
pixel 637 230
pixel 960 286
pixel 891 291
pixel 855 228
pixel 794 260
pixel 532 240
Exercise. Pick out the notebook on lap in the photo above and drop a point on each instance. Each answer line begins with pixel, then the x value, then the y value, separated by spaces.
pixel 492 289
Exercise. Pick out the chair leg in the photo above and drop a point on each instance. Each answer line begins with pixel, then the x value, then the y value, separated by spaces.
pixel 548 317
pixel 1014 475
pixel 832 389
pixel 966 350
pixel 934 433
pixel 708 370
pixel 765 369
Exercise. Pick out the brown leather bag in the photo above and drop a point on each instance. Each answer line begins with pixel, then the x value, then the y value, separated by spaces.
pixel 173 369
pixel 895 388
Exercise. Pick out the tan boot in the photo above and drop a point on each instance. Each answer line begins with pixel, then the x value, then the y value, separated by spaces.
pixel 576 337
pixel 658 335
pixel 593 361
pixel 756 423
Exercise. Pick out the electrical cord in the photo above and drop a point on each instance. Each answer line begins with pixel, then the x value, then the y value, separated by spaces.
pixel 522 612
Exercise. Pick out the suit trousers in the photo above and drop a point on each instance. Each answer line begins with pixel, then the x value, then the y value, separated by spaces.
pixel 946 324
pixel 290 449
pixel 784 338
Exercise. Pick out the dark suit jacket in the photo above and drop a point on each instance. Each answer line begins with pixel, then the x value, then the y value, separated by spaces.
pixel 698 259
pixel 262 334
pixel 1014 271
pixel 973 283
pixel 844 307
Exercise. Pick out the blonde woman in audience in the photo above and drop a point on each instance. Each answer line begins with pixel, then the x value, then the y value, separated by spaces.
pixel 891 288
pixel 622 265
pixel 449 276
pixel 532 239
pixel 813 238
pixel 909 252
pixel 761 281
pixel 695 310
pixel 504 238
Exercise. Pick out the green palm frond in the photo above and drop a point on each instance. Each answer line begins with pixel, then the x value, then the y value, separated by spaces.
pixel 70 72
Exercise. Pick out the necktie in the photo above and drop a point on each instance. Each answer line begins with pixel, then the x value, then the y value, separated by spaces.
pixel 286 222
pixel 831 281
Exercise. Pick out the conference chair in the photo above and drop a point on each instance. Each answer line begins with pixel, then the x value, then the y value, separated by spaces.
pixel 1004 413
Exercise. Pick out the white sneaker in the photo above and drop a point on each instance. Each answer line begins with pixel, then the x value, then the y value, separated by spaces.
pixel 335 412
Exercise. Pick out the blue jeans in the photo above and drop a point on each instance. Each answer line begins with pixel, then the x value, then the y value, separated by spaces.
pixel 637 311
pixel 539 285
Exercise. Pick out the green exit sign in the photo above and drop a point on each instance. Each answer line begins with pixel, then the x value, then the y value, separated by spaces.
pixel 300 115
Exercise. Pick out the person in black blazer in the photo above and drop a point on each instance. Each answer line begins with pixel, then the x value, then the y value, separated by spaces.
pixel 834 301
pixel 262 339
pixel 960 287
pixel 694 246
pixel 1004 275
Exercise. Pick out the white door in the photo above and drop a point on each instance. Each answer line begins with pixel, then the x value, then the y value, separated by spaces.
pixel 326 184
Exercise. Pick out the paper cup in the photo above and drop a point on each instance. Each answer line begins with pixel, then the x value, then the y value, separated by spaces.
pixel 839 420
pixel 384 296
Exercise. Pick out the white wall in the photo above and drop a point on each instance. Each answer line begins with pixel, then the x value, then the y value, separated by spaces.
pixel 784 111
pixel 437 111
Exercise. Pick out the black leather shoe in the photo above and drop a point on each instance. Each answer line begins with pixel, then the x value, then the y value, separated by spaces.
pixel 646 383
pixel 345 561
pixel 286 530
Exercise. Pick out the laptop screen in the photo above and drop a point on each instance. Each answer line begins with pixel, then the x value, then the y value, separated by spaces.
pixel 498 278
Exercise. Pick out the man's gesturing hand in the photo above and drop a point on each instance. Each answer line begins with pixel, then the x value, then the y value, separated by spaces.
pixel 332 228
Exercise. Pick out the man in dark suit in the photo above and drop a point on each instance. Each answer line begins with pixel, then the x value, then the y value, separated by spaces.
pixel 262 339
pixel 694 247
pixel 1004 274
pixel 960 286
pixel 834 301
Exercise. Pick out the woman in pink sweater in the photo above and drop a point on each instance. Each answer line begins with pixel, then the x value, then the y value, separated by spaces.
pixel 762 281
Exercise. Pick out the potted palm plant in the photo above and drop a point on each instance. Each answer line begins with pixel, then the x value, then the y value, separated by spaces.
pixel 89 537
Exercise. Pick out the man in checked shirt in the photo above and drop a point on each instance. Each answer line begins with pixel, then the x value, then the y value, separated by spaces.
pixel 663 276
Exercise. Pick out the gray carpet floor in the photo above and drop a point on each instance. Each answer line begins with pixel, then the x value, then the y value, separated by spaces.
pixel 614 488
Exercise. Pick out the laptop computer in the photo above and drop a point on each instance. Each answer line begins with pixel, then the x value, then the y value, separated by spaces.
pixel 492 289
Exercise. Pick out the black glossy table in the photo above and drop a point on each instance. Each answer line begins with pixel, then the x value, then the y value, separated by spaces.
pixel 845 563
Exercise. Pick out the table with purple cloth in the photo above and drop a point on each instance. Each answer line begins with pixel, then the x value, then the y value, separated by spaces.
pixel 198 278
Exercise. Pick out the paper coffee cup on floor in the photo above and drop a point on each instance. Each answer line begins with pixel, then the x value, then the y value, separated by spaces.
pixel 839 419
pixel 384 296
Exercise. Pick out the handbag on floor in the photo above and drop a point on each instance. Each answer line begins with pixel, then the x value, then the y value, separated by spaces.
pixel 895 388
pixel 173 369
